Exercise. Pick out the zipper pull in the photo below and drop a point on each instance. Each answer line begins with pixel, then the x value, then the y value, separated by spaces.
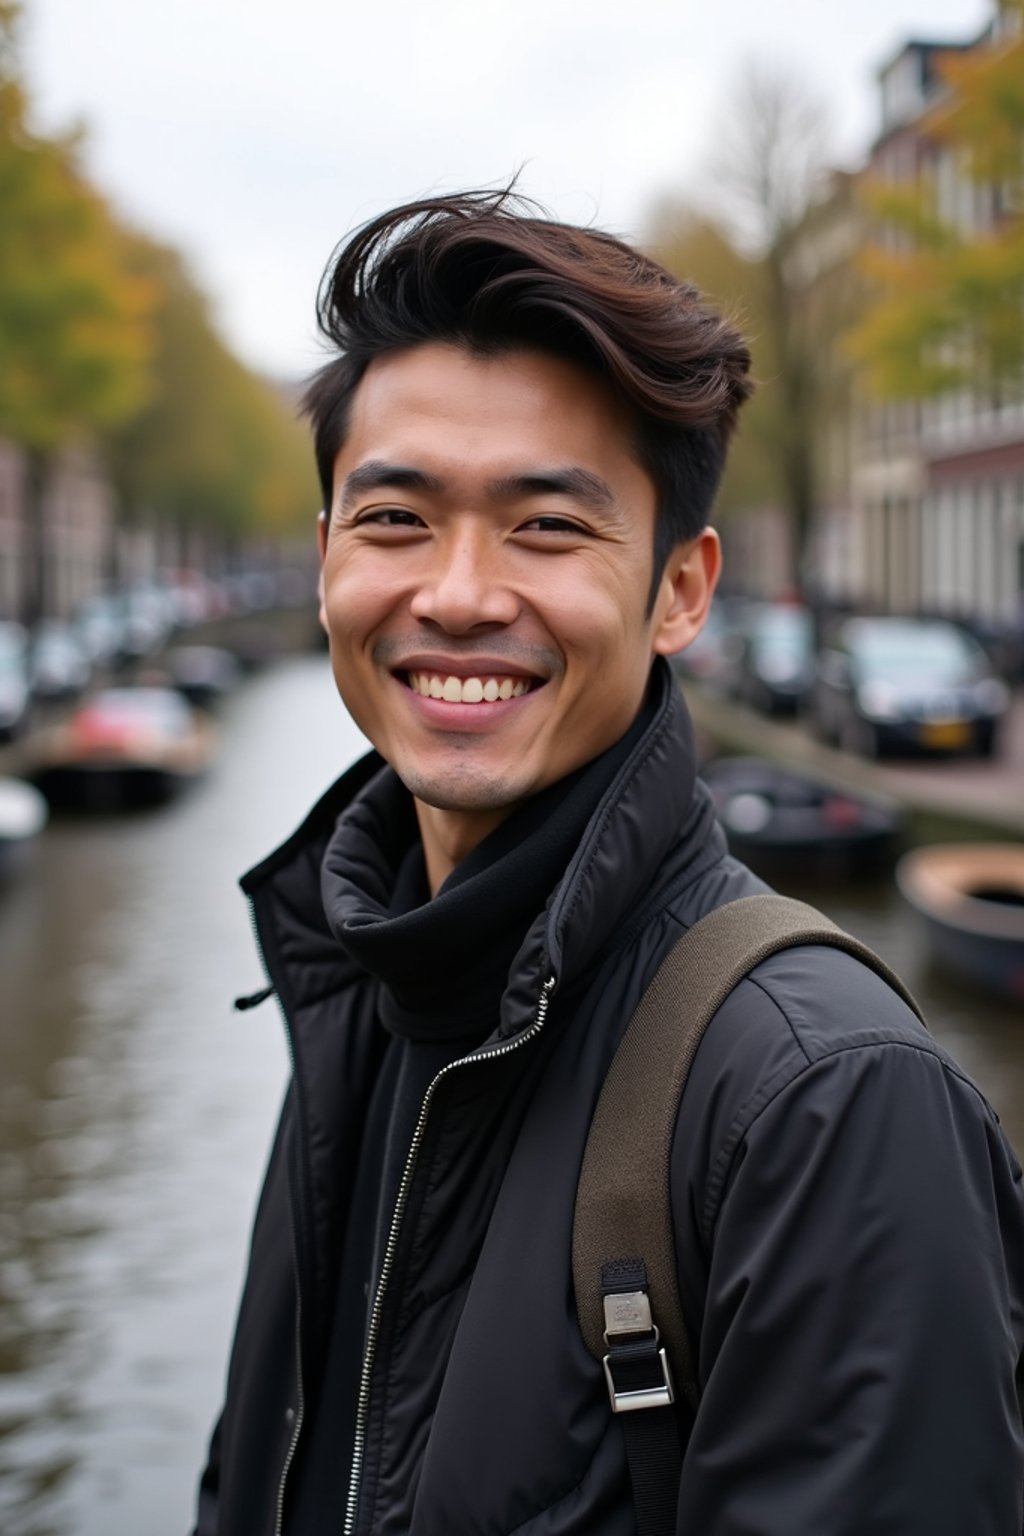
pixel 253 999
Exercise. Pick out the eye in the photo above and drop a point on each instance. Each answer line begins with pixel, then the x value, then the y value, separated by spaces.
pixel 388 517
pixel 551 523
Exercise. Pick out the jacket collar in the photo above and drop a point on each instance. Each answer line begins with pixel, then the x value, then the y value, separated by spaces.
pixel 652 805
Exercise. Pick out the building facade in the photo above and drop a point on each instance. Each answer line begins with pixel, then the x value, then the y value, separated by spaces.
pixel 937 485
pixel 65 558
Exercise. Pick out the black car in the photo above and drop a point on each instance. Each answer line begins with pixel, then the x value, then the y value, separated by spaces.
pixel 711 657
pixel 910 685
pixel 774 663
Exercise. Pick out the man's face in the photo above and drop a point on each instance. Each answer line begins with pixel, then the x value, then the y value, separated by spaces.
pixel 487 566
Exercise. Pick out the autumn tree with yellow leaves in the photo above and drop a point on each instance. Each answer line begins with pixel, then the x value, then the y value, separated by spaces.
pixel 947 305
pixel 105 339
pixel 74 320
pixel 214 447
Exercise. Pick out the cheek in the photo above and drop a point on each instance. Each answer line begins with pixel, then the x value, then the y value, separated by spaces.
pixel 355 601
pixel 605 624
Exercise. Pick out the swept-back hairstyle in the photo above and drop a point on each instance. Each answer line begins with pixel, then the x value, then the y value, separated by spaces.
pixel 485 271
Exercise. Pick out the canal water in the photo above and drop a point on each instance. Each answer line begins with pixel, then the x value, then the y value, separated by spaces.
pixel 136 1109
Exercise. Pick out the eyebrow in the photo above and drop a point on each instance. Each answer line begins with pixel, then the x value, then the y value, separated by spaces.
pixel 580 485
pixel 377 475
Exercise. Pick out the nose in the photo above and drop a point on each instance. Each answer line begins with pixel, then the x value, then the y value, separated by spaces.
pixel 465 585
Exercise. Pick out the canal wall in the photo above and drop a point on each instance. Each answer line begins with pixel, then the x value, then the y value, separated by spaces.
pixel 953 797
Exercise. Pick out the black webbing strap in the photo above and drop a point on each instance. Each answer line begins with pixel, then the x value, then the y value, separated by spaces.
pixel 640 1387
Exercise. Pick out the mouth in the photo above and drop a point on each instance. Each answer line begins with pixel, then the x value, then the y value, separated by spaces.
pixel 484 688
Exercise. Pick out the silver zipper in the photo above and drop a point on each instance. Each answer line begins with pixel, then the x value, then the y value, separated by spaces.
pixel 363 1403
pixel 300 1411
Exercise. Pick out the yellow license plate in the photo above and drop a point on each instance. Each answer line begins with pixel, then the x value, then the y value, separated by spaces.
pixel 946 733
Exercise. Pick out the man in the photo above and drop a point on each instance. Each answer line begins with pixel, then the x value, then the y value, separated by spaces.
pixel 519 442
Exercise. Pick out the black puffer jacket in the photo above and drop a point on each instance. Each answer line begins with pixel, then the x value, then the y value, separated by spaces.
pixel 848 1222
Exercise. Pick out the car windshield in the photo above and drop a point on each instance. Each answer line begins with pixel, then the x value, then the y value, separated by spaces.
pixel 783 632
pixel 12 642
pixel 55 642
pixel 932 653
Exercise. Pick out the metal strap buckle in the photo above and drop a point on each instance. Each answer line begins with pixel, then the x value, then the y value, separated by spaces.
pixel 649 1397
pixel 627 1315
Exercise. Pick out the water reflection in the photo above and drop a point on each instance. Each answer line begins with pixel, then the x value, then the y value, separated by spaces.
pixel 136 1108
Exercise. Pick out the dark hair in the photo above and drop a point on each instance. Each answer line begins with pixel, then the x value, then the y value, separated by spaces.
pixel 485 271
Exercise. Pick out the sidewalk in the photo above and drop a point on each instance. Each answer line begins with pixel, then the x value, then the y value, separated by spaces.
pixel 957 789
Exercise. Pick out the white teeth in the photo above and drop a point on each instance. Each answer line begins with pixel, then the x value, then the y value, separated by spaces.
pixel 467 690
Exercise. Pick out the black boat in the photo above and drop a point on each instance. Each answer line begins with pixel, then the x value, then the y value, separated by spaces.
pixel 970 898
pixel 124 748
pixel 788 823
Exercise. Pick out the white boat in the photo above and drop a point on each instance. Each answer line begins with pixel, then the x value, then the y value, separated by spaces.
pixel 23 816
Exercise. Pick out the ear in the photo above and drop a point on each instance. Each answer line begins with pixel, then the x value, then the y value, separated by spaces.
pixel 321 544
pixel 684 595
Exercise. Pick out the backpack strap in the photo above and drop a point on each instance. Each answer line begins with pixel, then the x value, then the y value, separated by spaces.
pixel 623 1258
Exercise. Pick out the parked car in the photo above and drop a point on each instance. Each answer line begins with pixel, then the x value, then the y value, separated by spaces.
pixel 773 670
pixel 126 626
pixel 203 674
pixel 148 621
pixel 904 684
pixel 709 658
pixel 14 685
pixel 59 666
pixel 100 625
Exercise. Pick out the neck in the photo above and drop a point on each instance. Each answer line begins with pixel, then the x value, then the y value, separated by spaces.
pixel 448 836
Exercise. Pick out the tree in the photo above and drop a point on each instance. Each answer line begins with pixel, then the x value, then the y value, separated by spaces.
pixel 215 447
pixel 74 334
pixel 769 173
pixel 947 304
pixel 693 246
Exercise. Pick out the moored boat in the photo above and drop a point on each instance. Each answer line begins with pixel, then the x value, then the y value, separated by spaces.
pixel 123 748
pixel 789 823
pixel 970 898
pixel 23 816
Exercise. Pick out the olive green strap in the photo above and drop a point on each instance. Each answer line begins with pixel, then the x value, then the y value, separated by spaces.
pixel 622 1201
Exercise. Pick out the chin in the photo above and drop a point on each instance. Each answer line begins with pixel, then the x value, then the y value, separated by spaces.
pixel 464 791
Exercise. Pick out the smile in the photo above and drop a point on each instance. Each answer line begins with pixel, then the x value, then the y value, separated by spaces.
pixel 468 690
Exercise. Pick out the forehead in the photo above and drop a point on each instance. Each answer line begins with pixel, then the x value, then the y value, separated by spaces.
pixel 440 402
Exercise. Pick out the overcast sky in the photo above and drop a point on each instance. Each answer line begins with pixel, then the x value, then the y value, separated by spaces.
pixel 253 135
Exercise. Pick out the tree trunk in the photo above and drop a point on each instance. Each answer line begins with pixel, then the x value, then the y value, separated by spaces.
pixel 35 584
pixel 796 385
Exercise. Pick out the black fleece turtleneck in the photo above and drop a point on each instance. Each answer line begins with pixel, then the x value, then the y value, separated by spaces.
pixel 441 966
